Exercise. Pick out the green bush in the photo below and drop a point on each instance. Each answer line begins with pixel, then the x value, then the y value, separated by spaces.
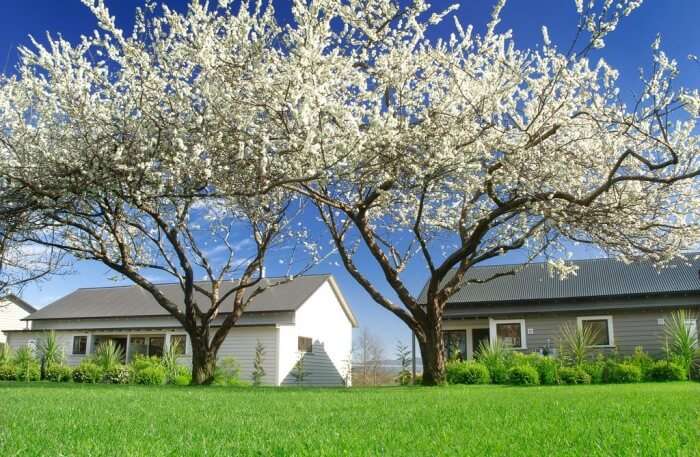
pixel 625 373
pixel 87 373
pixel 8 372
pixel 150 376
pixel 546 369
pixel 596 370
pixel 523 375
pixel 118 374
pixel 58 373
pixel 642 360
pixel 573 375
pixel 497 358
pixel 467 373
pixel 182 380
pixel 666 371
pixel 227 372
pixel 26 365
pixel 142 362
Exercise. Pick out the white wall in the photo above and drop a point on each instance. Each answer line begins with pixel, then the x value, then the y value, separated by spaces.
pixel 10 318
pixel 321 318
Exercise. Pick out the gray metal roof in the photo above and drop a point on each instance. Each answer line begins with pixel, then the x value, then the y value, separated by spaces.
pixel 594 278
pixel 132 301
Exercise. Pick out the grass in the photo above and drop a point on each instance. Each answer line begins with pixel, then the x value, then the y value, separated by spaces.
pixel 639 419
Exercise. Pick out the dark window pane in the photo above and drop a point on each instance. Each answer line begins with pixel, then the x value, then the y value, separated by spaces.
pixel 79 345
pixel 155 346
pixel 455 342
pixel 305 344
pixel 509 334
pixel 179 341
pixel 599 329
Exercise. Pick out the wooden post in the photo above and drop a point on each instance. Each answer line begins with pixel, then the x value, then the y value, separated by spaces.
pixel 413 357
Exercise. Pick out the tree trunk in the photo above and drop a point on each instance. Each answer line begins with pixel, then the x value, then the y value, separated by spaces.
pixel 432 349
pixel 203 363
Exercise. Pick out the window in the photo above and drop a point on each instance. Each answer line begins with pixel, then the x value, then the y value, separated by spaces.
pixel 601 327
pixel 155 346
pixel 692 326
pixel 180 343
pixel 510 332
pixel 80 345
pixel 305 344
pixel 455 342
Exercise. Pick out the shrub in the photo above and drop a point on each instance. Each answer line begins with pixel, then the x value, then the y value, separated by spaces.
pixel 576 343
pixel 467 373
pixel 151 376
pixel 642 360
pixel 58 373
pixel 108 355
pixel 228 372
pixel 26 366
pixel 118 374
pixel 682 343
pixel 573 375
pixel 5 354
pixel 87 372
pixel 30 372
pixel 626 372
pixel 182 380
pixel 169 361
pixel 546 368
pixel 523 375
pixel 142 362
pixel 666 371
pixel 595 371
pixel 497 358
pixel 8 372
pixel 50 352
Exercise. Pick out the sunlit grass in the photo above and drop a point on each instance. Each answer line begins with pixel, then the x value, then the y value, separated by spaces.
pixel 643 419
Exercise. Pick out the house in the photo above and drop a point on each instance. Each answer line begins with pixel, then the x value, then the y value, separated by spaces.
pixel 307 318
pixel 12 310
pixel 626 305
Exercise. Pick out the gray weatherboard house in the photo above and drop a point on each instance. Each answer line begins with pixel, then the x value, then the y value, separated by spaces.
pixel 626 303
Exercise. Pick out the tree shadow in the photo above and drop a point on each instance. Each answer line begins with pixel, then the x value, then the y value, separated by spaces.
pixel 314 369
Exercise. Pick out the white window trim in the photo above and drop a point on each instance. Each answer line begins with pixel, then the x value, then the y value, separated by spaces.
pixel 611 332
pixel 87 344
pixel 523 332
pixel 185 349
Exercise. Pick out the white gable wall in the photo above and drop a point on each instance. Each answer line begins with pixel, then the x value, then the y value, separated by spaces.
pixel 321 318
pixel 10 318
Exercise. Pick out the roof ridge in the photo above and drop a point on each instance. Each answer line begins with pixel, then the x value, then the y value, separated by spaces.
pixel 200 281
pixel 596 259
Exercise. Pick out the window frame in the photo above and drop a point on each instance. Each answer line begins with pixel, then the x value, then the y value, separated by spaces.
pixel 692 326
pixel 310 345
pixel 73 345
pixel 184 341
pixel 493 331
pixel 611 331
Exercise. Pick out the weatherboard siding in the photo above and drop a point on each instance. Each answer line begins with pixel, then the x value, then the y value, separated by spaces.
pixel 630 328
pixel 322 319
pixel 11 316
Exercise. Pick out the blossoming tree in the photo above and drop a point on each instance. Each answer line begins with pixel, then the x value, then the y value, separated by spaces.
pixel 450 152
pixel 144 153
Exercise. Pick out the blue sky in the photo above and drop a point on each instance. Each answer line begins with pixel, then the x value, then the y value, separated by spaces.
pixel 627 49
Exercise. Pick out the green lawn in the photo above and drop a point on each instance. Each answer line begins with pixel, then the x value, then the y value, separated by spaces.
pixel 643 419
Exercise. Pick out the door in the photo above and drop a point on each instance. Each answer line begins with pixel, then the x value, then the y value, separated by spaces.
pixel 479 336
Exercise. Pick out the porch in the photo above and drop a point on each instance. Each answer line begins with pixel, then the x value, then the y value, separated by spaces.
pixel 462 338
pixel 132 343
